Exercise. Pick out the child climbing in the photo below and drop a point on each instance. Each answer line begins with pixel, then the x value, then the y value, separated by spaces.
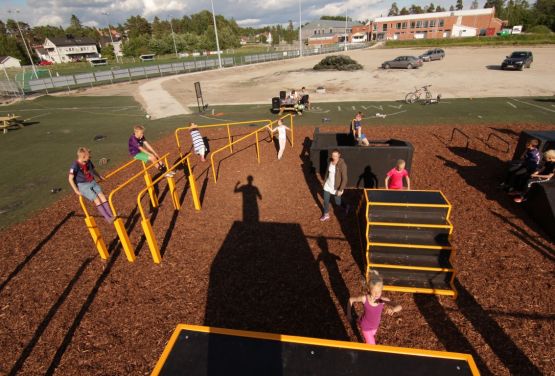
pixel 394 178
pixel 82 179
pixel 356 128
pixel 198 142
pixel 140 149
pixel 282 136
pixel 374 303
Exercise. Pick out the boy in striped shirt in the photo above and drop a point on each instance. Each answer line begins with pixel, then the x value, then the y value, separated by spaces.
pixel 198 142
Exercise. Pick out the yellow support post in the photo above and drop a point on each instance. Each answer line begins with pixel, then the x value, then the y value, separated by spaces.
pixel 193 186
pixel 229 138
pixel 97 238
pixel 292 133
pixel 173 193
pixel 151 190
pixel 257 148
pixel 151 240
pixel 124 239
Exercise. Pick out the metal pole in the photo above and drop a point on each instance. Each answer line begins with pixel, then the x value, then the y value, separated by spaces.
pixel 216 32
pixel 300 30
pixel 345 27
pixel 110 32
pixel 25 43
pixel 173 37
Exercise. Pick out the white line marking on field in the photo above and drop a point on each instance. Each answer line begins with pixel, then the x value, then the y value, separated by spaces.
pixel 534 105
pixel 511 104
pixel 354 108
pixel 338 108
pixel 209 118
pixel 378 107
pixel 553 105
pixel 364 107
pixel 396 113
pixel 38 116
pixel 397 107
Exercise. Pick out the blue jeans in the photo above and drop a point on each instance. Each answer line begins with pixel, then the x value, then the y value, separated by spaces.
pixel 327 197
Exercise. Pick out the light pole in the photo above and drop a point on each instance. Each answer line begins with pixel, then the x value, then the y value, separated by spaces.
pixel 112 39
pixel 345 27
pixel 25 43
pixel 300 30
pixel 216 32
pixel 173 37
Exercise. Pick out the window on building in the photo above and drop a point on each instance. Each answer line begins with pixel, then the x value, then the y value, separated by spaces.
pixel 441 23
pixel 418 24
pixel 425 24
pixel 314 32
pixel 432 23
pixel 412 25
pixel 331 31
pixel 384 27
pixel 404 26
pixel 398 26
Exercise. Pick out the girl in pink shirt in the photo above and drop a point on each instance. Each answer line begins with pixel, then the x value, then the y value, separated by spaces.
pixel 394 178
pixel 374 304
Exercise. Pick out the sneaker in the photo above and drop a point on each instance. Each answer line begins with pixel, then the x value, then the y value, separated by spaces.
pixel 519 199
pixel 325 217
pixel 170 174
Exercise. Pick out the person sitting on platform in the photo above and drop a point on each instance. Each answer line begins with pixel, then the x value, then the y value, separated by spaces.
pixel 394 178
pixel 374 304
pixel 356 128
pixel 305 101
pixel 519 172
pixel 545 173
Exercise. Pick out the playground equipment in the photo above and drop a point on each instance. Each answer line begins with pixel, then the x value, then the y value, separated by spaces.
pixel 145 222
pixel 200 350
pixel 406 238
pixel 267 127
pixel 367 166
pixel 546 139
pixel 540 205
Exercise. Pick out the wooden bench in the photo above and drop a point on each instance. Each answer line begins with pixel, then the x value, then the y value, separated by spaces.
pixel 9 121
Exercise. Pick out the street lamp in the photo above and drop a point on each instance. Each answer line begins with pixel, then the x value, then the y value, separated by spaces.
pixel 300 31
pixel 112 39
pixel 25 43
pixel 173 37
pixel 216 32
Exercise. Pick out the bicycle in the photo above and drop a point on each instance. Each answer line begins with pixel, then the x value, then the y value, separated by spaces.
pixel 416 95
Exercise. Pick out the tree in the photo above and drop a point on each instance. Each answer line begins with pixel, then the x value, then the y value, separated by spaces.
pixel 137 25
pixel 394 10
pixel 543 13
pixel 459 5
pixel 431 8
pixel 75 23
pixel 290 33
pixel 439 8
pixel 474 4
pixel 499 6
pixel 451 8
pixel 404 11
pixel 3 30
pixel 416 9
pixel 9 46
pixel 335 18
pixel 107 51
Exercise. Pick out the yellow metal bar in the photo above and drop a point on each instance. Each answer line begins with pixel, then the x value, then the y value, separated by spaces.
pixel 229 138
pixel 419 290
pixel 292 131
pixel 151 190
pixel 173 193
pixel 423 268
pixel 193 186
pixel 409 245
pixel 398 224
pixel 311 341
pixel 120 168
pixel 124 239
pixel 151 240
pixel 257 148
pixel 375 203
pixel 97 237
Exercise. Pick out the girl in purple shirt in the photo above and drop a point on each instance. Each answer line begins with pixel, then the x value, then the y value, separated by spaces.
pixel 374 303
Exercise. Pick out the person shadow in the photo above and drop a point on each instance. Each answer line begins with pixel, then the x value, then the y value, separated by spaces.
pixel 368 179
pixel 251 195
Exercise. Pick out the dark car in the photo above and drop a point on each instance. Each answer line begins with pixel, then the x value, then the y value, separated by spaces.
pixel 434 54
pixel 407 62
pixel 518 60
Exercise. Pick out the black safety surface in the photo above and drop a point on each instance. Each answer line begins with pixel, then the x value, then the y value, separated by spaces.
pixel 197 353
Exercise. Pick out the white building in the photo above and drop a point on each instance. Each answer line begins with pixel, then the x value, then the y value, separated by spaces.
pixel 9 62
pixel 66 50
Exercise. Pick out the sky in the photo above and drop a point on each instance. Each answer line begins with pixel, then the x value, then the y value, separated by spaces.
pixel 246 12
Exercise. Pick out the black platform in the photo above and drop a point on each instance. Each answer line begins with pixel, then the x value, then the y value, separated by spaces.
pixel 197 351
pixel 546 139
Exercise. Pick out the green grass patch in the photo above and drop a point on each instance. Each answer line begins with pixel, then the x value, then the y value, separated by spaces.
pixel 509 40
pixel 37 157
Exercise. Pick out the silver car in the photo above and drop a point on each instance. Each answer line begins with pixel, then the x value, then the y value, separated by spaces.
pixel 434 54
pixel 407 62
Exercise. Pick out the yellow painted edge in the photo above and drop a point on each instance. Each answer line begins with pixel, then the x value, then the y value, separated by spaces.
pixel 398 224
pixel 403 267
pixel 409 245
pixel 420 290
pixel 376 203
pixel 309 341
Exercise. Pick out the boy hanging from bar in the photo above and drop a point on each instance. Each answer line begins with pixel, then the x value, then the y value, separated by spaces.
pixel 82 180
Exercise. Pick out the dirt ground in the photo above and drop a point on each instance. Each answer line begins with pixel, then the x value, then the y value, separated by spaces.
pixel 256 257
pixel 466 72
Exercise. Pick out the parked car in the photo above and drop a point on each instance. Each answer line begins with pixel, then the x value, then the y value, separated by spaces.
pixel 407 62
pixel 45 62
pixel 518 60
pixel 433 54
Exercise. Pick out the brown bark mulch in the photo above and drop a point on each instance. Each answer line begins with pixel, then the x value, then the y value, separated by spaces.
pixel 257 258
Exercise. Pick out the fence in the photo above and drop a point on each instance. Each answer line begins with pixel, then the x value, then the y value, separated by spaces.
pixel 75 81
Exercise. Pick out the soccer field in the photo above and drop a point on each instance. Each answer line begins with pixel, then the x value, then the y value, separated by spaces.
pixel 37 157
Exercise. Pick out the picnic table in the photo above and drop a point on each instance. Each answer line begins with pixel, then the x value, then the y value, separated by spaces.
pixel 10 121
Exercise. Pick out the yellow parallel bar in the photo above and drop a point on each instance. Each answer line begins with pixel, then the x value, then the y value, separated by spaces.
pixel 397 224
pixel 311 341
pixel 375 203
pixel 120 168
pixel 400 245
pixel 420 290
pixel 402 267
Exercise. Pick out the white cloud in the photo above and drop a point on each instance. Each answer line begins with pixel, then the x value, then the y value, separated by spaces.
pixel 248 22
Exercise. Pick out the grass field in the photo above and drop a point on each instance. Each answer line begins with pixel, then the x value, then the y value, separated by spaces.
pixel 37 157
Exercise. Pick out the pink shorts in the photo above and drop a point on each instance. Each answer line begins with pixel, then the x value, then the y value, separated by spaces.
pixel 369 336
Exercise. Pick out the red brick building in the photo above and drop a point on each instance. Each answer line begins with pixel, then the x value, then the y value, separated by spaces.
pixel 460 23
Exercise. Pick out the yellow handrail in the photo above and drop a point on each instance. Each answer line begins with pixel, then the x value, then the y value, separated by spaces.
pixel 128 181
pixel 236 141
pixel 228 124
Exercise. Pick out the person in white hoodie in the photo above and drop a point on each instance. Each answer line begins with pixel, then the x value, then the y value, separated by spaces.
pixel 282 137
